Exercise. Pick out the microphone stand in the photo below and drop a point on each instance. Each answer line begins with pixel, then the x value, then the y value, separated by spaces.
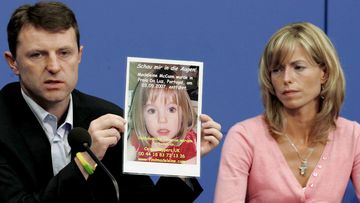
pixel 99 163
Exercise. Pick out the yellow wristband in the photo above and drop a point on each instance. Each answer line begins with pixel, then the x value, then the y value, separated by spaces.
pixel 88 168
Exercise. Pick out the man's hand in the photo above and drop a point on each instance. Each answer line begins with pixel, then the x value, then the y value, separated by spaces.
pixel 105 132
pixel 210 134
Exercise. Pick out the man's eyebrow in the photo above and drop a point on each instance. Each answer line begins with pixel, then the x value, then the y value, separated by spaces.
pixel 35 50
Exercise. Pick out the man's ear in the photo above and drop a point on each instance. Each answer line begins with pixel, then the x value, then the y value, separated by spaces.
pixel 81 52
pixel 12 62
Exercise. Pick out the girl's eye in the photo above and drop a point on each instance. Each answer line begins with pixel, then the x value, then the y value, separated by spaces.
pixel 150 111
pixel 172 109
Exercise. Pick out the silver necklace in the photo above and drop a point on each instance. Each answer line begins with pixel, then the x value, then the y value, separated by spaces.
pixel 304 161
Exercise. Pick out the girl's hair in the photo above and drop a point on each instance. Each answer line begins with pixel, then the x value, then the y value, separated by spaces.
pixel 322 52
pixel 143 94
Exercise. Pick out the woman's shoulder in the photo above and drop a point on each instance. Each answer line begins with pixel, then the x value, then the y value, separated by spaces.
pixel 250 134
pixel 253 122
pixel 343 120
pixel 249 127
pixel 345 124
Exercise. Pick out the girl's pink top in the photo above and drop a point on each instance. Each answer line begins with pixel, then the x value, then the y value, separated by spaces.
pixel 253 169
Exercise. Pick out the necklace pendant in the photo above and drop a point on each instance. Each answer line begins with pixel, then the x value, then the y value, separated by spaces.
pixel 303 167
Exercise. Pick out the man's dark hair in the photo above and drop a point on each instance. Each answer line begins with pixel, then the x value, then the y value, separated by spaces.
pixel 50 16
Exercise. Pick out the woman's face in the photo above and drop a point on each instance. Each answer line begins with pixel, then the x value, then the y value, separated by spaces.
pixel 297 82
pixel 162 117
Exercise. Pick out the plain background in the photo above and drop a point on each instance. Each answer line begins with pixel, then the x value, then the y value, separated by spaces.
pixel 227 35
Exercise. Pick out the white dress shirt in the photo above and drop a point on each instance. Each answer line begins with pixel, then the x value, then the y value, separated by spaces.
pixel 60 148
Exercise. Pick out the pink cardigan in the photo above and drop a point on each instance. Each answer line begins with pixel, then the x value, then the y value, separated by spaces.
pixel 253 169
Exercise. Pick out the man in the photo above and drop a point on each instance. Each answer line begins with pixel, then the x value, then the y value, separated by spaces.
pixel 36 163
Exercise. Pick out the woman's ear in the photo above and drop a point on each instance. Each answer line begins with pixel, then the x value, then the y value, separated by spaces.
pixel 324 74
pixel 12 62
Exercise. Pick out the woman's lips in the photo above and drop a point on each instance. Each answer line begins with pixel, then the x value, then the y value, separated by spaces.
pixel 289 92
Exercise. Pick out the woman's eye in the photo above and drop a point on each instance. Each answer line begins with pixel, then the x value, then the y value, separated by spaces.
pixel 275 70
pixel 299 67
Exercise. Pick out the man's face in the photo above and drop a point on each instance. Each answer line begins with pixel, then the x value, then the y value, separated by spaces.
pixel 47 64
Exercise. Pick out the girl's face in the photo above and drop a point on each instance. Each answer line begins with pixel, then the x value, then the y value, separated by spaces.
pixel 162 117
pixel 297 82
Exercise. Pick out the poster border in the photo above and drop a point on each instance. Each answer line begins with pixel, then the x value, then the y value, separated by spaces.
pixel 155 168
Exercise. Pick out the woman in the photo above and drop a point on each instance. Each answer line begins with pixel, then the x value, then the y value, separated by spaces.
pixel 299 150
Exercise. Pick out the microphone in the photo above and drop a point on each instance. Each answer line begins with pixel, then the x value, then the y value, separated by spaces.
pixel 80 140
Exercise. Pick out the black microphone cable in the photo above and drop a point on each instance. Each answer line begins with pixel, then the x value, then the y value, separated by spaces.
pixel 80 140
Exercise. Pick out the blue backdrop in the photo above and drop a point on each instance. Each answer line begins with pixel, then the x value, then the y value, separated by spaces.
pixel 228 36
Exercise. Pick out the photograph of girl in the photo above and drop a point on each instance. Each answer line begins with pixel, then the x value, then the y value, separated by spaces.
pixel 162 120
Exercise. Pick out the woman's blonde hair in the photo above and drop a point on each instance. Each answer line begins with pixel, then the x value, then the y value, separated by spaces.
pixel 320 49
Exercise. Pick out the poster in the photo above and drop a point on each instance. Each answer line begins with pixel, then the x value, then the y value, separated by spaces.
pixel 162 107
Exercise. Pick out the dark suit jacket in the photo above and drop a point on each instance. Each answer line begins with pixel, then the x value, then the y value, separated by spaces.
pixel 26 173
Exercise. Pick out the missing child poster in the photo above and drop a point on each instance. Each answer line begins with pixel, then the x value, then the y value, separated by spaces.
pixel 162 108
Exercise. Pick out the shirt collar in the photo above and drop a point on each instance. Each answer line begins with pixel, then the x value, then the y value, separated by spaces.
pixel 41 113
